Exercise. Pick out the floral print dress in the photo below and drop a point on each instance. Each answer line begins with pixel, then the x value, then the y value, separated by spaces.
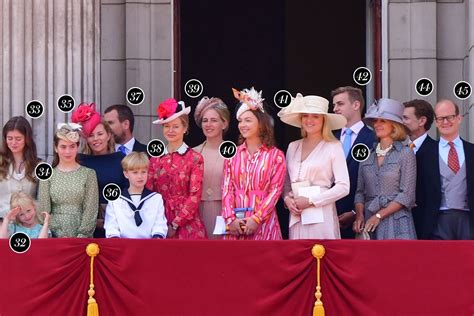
pixel 178 177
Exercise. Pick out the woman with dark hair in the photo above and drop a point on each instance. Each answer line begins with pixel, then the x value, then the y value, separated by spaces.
pixel 70 195
pixel 177 174
pixel 213 117
pixel 254 177
pixel 18 160
pixel 99 154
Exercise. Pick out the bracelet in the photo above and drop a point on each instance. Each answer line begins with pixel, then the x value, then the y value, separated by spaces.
pixel 354 212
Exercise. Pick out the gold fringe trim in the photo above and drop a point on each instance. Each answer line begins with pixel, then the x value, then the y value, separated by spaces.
pixel 318 252
pixel 92 250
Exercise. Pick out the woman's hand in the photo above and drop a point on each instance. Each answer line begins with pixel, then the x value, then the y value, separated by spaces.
pixel 235 228
pixel 291 205
pixel 372 224
pixel 250 226
pixel 171 232
pixel 302 202
pixel 358 224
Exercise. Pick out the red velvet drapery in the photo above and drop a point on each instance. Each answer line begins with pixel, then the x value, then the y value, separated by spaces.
pixel 168 277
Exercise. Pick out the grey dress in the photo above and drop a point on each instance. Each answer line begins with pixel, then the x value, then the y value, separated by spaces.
pixel 394 180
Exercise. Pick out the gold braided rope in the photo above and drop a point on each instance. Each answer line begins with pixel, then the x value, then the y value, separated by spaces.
pixel 318 252
pixel 92 250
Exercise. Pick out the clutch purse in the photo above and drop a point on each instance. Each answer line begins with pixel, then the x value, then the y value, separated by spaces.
pixel 364 235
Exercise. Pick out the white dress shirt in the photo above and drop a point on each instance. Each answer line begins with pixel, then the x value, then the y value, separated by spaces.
pixel 419 141
pixel 128 146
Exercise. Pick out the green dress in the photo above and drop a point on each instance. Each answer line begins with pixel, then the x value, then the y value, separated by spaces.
pixel 72 200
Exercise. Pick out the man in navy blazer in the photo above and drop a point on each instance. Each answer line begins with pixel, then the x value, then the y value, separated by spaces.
pixel 418 117
pixel 450 184
pixel 121 120
pixel 349 102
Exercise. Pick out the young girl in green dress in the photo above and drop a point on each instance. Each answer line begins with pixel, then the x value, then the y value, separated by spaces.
pixel 70 195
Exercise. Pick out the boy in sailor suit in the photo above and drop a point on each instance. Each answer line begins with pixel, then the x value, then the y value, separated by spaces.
pixel 138 212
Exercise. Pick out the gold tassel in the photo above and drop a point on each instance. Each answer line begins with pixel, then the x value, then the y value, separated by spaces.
pixel 92 250
pixel 318 252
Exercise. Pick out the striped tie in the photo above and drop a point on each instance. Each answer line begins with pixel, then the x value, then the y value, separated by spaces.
pixel 453 160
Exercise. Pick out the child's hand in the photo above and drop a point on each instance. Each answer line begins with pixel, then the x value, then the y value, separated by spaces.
pixel 13 213
pixel 46 217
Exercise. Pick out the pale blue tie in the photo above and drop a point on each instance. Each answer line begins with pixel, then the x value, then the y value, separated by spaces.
pixel 347 141
pixel 122 149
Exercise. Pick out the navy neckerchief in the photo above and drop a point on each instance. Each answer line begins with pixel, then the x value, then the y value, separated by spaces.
pixel 146 194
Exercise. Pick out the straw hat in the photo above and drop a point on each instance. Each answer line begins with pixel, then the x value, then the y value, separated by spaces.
pixel 310 104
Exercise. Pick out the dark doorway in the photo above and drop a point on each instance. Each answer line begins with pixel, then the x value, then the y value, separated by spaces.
pixel 310 47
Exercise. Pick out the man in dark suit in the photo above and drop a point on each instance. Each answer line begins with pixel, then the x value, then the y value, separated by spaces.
pixel 450 184
pixel 349 102
pixel 418 117
pixel 121 120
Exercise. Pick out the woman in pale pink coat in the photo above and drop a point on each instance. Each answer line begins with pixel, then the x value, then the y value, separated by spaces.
pixel 317 171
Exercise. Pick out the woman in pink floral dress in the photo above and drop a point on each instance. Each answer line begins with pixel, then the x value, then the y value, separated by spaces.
pixel 254 177
pixel 177 174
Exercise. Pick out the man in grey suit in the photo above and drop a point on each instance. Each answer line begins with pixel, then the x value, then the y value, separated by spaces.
pixel 455 218
pixel 450 182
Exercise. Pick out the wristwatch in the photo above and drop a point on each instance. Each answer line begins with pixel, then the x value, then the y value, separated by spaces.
pixel 378 216
pixel 174 226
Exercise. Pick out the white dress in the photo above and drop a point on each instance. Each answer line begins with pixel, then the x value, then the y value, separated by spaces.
pixel 324 166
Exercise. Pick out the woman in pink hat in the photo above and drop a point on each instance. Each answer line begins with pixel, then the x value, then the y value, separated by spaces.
pixel 317 170
pixel 213 117
pixel 177 174
pixel 254 177
pixel 387 179
pixel 99 154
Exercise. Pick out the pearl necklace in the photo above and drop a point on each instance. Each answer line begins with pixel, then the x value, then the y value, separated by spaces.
pixel 382 152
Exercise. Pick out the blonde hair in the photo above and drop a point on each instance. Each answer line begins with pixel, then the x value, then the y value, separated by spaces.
pixel 23 200
pixel 326 132
pixel 134 161
pixel 110 144
pixel 398 133
pixel 185 120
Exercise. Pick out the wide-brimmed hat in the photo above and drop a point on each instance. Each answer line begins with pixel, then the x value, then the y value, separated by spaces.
pixel 310 104
pixel 87 117
pixel 387 109
pixel 170 109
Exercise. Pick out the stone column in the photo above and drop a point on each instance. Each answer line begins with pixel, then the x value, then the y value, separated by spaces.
pixel 137 51
pixel 49 48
